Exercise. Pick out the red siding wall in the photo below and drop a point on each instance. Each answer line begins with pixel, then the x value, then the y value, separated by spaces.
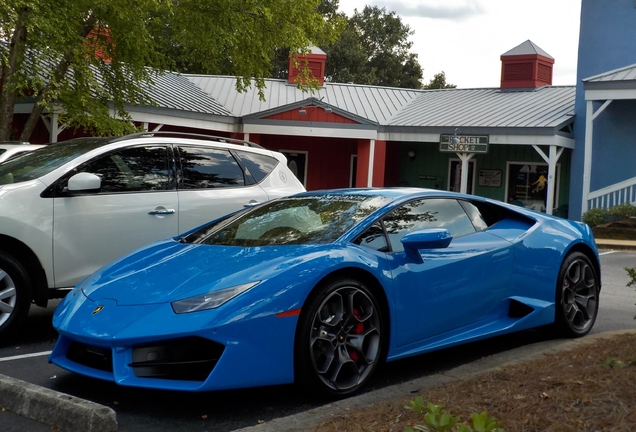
pixel 312 113
pixel 328 159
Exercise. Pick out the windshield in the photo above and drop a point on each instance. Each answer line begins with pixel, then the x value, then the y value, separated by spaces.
pixel 293 220
pixel 36 163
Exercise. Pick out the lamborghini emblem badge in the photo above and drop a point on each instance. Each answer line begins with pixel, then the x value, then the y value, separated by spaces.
pixel 97 310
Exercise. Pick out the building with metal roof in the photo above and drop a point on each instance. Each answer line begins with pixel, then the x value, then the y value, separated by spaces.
pixel 496 142
pixel 604 160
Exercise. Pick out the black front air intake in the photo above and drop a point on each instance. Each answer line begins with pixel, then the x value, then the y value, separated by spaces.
pixel 189 359
pixel 91 356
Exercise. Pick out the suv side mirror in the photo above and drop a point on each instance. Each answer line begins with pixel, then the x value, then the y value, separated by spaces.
pixel 84 183
pixel 434 238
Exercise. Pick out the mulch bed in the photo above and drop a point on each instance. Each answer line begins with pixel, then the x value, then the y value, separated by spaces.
pixel 589 388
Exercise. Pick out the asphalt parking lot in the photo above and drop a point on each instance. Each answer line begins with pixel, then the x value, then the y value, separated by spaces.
pixel 46 395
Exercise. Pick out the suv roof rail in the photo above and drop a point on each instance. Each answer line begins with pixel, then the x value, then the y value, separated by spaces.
pixel 192 135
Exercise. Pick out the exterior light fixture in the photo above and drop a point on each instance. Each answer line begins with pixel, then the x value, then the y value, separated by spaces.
pixel 302 111
pixel 411 154
pixel 328 110
pixel 455 139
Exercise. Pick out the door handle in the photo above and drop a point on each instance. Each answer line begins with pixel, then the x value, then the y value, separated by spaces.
pixel 162 211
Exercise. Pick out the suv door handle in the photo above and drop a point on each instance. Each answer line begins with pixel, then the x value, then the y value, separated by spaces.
pixel 162 211
pixel 252 203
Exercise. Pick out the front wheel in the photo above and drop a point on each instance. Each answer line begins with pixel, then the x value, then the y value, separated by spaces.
pixel 15 295
pixel 341 338
pixel 578 291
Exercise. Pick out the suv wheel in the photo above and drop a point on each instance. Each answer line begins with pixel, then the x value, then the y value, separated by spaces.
pixel 15 295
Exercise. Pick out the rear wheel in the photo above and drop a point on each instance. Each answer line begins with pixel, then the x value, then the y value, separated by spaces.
pixel 341 338
pixel 15 295
pixel 577 296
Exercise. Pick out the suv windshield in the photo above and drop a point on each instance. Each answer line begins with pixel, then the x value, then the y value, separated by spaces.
pixel 294 220
pixel 40 162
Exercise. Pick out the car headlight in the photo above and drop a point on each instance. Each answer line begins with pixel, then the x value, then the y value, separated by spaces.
pixel 210 300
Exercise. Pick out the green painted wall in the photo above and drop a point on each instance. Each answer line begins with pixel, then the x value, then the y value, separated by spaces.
pixel 430 168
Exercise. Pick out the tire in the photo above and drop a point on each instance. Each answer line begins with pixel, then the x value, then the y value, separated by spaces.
pixel 340 339
pixel 15 295
pixel 577 297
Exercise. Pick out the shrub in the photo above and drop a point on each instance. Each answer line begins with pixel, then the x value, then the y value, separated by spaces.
pixel 623 211
pixel 597 216
pixel 439 420
pixel 594 217
pixel 632 274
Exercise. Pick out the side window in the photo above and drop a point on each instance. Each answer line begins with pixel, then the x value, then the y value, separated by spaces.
pixel 135 169
pixel 373 238
pixel 207 168
pixel 258 165
pixel 426 213
pixel 475 215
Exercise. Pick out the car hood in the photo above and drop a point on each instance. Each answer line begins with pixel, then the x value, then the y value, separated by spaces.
pixel 167 271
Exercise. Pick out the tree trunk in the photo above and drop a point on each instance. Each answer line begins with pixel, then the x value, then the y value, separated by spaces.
pixel 59 73
pixel 17 48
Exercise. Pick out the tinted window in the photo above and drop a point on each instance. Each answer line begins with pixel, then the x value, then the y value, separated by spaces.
pixel 426 213
pixel 475 215
pixel 205 168
pixel 132 170
pixel 257 164
pixel 373 238
pixel 294 220
pixel 38 163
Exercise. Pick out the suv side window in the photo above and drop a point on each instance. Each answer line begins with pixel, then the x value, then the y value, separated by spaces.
pixel 426 213
pixel 206 168
pixel 257 164
pixel 135 169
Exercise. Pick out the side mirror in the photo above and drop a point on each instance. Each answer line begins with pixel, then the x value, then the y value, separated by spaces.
pixel 84 183
pixel 434 238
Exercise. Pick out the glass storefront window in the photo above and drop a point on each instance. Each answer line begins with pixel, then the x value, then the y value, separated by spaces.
pixel 527 185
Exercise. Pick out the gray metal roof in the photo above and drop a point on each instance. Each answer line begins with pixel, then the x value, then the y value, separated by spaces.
pixel 527 48
pixel 375 104
pixel 626 73
pixel 490 108
pixel 175 91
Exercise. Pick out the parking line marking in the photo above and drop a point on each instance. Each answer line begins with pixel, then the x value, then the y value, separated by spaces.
pixel 607 253
pixel 23 356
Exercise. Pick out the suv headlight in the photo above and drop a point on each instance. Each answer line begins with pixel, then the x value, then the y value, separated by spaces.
pixel 210 300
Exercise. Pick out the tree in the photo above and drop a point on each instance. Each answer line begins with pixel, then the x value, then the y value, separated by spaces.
pixel 374 49
pixel 439 82
pixel 88 58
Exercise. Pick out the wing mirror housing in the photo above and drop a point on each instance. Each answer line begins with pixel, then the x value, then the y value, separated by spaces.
pixel 84 183
pixel 435 238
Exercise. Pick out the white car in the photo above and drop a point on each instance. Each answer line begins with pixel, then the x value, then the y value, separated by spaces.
pixel 9 149
pixel 73 206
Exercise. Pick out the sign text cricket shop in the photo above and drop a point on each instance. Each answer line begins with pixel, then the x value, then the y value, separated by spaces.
pixel 463 143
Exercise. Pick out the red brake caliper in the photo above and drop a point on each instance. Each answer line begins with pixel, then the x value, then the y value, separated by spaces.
pixel 358 329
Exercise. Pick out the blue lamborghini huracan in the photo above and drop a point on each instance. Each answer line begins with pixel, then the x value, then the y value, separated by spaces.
pixel 322 287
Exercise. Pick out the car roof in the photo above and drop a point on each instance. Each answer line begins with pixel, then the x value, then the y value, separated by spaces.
pixel 391 192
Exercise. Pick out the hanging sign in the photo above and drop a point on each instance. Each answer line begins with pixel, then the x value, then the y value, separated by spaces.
pixel 465 144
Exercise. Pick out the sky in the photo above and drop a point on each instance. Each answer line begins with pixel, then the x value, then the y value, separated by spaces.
pixel 466 38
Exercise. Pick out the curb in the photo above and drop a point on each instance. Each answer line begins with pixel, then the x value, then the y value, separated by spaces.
pixel 310 419
pixel 43 405
pixel 615 244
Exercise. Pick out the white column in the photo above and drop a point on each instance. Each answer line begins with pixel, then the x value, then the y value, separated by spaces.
pixel 54 132
pixel 464 157
pixel 551 160
pixel 371 157
pixel 587 154
pixel 590 116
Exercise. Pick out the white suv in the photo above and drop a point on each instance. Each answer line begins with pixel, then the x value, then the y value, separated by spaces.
pixel 71 207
